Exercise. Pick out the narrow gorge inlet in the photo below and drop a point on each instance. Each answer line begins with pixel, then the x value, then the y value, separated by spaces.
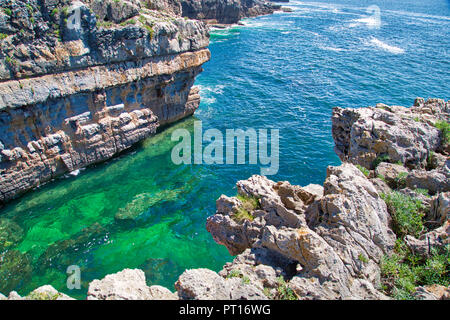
pixel 93 111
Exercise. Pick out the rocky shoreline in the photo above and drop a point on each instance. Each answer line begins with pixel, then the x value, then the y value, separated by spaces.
pixel 332 241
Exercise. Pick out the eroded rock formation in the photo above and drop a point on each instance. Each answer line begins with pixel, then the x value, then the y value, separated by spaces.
pixel 399 134
pixel 77 92
pixel 328 246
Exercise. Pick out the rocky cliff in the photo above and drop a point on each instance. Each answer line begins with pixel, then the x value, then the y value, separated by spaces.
pixel 367 233
pixel 82 81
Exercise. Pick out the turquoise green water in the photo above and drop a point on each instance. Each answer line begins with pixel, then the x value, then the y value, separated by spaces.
pixel 283 71
pixel 72 221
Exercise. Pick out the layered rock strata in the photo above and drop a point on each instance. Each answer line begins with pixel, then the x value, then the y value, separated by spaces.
pixel 83 81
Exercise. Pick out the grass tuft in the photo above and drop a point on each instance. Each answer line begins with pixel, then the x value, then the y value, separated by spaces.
pixel 364 170
pixel 444 127
pixel 248 205
pixel 380 159
pixel 283 291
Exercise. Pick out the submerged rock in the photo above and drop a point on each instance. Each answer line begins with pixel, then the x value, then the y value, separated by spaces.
pixel 59 253
pixel 10 234
pixel 142 202
pixel 15 269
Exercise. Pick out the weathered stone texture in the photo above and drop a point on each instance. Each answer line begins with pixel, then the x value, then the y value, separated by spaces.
pixel 70 101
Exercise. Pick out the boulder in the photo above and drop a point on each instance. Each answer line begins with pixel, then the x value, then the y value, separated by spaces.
pixel 436 180
pixel 364 135
pixel 440 209
pixel 204 284
pixel 161 293
pixel 47 292
pixel 13 295
pixel 128 284
pixel 432 292
pixel 437 238
pixel 381 186
pixel 391 173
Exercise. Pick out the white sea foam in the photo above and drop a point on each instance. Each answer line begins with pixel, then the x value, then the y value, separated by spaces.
pixel 209 100
pixel 75 172
pixel 331 48
pixel 208 93
pixel 370 22
pixel 386 47
pixel 216 89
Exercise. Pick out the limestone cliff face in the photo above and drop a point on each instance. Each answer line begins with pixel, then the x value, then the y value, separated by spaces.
pixel 225 11
pixel 76 92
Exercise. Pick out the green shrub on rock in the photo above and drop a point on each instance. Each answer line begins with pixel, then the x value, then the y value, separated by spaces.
pixel 365 171
pixel 380 159
pixel 402 271
pixel 400 180
pixel 283 291
pixel 444 127
pixel 406 212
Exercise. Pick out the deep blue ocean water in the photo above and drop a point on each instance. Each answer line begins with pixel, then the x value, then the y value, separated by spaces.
pixel 283 71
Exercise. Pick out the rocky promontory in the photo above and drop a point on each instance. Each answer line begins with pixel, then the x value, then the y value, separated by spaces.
pixel 378 228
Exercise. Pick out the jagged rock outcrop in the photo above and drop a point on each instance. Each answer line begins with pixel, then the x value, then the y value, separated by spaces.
pixel 83 81
pixel 403 145
pixel 405 135
pixel 329 246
